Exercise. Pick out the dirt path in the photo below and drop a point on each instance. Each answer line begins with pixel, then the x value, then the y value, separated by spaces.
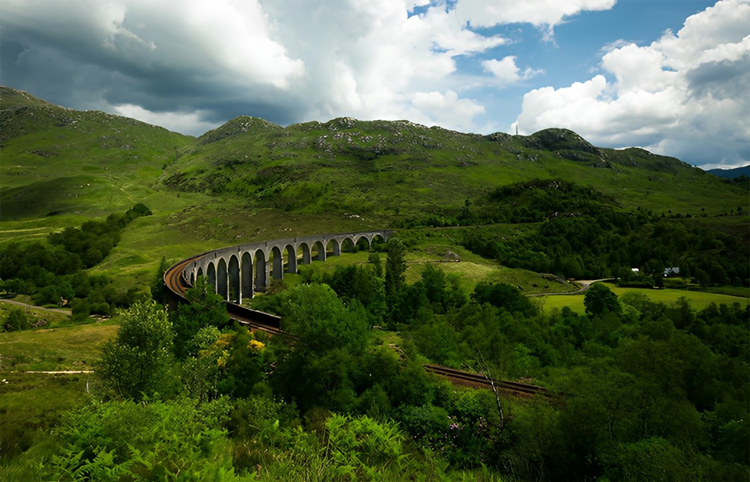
pixel 18 303
pixel 56 372
pixel 61 372
pixel 585 285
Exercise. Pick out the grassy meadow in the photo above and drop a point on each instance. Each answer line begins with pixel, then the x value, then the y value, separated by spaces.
pixel 698 299
pixel 55 347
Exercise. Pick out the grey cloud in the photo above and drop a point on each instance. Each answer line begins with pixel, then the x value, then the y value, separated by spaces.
pixel 724 80
pixel 70 65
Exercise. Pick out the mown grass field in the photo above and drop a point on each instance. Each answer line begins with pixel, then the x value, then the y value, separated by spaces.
pixel 698 299
pixel 71 347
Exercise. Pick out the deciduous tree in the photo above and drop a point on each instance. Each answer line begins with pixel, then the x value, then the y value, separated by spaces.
pixel 139 361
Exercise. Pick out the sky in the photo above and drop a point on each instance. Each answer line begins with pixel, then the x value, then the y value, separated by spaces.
pixel 671 76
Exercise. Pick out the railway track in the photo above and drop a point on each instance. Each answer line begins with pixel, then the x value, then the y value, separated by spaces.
pixel 460 377
pixel 257 320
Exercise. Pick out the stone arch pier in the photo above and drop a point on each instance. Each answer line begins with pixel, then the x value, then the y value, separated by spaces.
pixel 239 271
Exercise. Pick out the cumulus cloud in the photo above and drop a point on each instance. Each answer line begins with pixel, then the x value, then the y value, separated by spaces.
pixel 190 63
pixel 178 121
pixel 507 72
pixel 445 110
pixel 686 94
pixel 540 13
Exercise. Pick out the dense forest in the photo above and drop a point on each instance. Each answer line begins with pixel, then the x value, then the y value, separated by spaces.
pixel 642 390
pixel 583 233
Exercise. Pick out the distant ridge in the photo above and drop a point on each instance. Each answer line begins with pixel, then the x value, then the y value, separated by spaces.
pixel 731 173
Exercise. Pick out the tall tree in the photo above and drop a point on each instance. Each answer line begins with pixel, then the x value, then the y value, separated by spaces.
pixel 139 361
pixel 600 300
pixel 204 308
pixel 395 270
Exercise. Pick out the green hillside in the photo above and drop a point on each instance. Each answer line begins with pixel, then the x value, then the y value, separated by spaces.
pixel 58 161
pixel 397 167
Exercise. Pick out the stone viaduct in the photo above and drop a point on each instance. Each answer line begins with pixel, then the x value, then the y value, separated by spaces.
pixel 239 271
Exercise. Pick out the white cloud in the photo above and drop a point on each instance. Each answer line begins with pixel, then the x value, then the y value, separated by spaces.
pixel 189 123
pixel 540 13
pixel 507 72
pixel 229 37
pixel 371 60
pixel 446 110
pixel 685 95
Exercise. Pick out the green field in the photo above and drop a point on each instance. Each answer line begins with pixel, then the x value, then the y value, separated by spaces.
pixel 72 347
pixel 698 300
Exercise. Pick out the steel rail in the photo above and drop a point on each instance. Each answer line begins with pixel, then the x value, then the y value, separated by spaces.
pixel 480 380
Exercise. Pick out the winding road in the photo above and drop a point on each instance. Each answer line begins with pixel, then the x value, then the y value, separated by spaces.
pixel 34 307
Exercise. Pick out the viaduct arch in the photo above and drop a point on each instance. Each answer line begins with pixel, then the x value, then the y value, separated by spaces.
pixel 237 272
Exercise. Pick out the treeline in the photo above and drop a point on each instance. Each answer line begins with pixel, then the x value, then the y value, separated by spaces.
pixel 742 181
pixel 534 201
pixel 609 244
pixel 579 232
pixel 523 202
pixel 648 388
pixel 53 271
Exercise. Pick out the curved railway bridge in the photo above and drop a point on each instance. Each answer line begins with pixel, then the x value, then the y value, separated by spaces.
pixel 237 272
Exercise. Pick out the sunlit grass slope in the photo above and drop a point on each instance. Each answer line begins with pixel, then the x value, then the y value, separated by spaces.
pixel 62 162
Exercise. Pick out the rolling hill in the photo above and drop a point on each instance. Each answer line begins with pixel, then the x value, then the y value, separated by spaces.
pixel 396 167
pixel 61 161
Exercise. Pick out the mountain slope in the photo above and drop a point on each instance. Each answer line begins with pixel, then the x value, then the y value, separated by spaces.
pixel 57 160
pixel 390 167
pixel 62 161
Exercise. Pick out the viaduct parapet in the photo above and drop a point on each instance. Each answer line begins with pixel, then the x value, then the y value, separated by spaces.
pixel 239 271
